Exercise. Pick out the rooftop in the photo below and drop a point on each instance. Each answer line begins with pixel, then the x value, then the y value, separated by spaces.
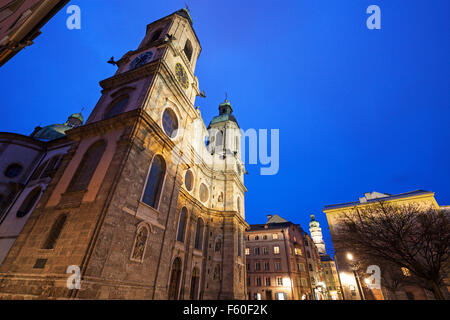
pixel 386 197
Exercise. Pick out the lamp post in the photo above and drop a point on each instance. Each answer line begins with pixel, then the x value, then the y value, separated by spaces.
pixel 354 268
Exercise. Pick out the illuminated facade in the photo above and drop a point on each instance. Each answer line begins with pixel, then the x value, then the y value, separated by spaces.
pixel 276 261
pixel 136 201
pixel 354 288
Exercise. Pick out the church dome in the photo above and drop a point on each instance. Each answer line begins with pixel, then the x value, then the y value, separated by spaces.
pixel 55 131
pixel 78 116
pixel 51 132
pixel 225 114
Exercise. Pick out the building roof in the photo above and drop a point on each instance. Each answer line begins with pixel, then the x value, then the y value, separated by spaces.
pixel 276 219
pixel 57 130
pixel 386 198
pixel 225 114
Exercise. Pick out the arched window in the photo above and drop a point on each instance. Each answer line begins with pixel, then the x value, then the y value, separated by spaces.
pixel 182 225
pixel 139 244
pixel 199 234
pixel 53 164
pixel 116 107
pixel 29 202
pixel 13 170
pixel 154 182
pixel 156 35
pixel 188 49
pixel 219 138
pixel 38 171
pixel 218 245
pixel 87 166
pixel 55 232
pixel 195 281
pixel 175 277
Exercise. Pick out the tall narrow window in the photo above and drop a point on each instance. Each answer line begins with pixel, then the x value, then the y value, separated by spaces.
pixel 195 284
pixel 140 244
pixel 182 225
pixel 55 232
pixel 219 138
pixel 199 234
pixel 116 107
pixel 38 171
pixel 86 169
pixel 29 202
pixel 175 276
pixel 53 164
pixel 154 182
pixel 188 49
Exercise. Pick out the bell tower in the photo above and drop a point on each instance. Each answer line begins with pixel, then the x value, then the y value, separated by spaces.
pixel 160 70
pixel 141 211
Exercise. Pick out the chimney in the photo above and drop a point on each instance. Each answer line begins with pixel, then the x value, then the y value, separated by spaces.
pixel 269 216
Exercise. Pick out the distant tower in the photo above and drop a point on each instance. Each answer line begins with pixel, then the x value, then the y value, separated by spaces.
pixel 316 235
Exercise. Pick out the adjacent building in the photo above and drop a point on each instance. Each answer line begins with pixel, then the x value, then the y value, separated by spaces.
pixel 354 287
pixel 132 197
pixel 21 21
pixel 276 262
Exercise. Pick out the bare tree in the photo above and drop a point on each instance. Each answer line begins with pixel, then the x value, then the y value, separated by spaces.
pixel 408 236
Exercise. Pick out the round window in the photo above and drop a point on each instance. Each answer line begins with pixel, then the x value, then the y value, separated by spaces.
pixel 189 180
pixel 204 193
pixel 170 123
pixel 13 170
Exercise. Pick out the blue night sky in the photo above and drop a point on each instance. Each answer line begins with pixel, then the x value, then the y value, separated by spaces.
pixel 358 110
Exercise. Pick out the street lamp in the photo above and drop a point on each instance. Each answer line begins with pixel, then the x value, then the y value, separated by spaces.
pixel 354 267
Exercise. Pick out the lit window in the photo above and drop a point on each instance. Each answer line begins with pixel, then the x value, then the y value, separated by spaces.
pixel 297 251
pixel 276 250
pixel 279 281
pixel 247 251
pixel 406 272
pixel 275 236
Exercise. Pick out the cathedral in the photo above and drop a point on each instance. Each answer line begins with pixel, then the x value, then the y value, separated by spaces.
pixel 143 198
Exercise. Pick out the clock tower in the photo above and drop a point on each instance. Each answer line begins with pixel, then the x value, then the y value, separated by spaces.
pixel 139 203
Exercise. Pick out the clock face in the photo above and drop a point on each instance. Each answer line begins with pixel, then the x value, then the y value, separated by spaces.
pixel 140 60
pixel 181 76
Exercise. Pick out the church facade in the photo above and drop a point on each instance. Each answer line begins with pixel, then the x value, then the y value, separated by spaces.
pixel 135 199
